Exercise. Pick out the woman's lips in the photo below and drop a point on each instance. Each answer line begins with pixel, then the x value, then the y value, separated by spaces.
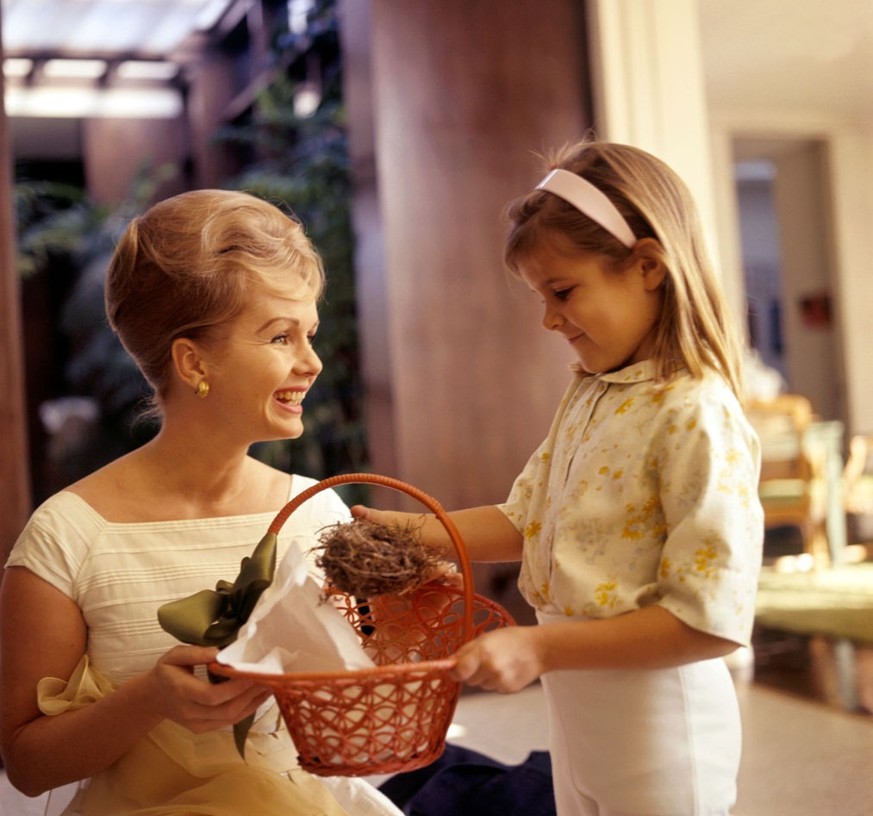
pixel 291 398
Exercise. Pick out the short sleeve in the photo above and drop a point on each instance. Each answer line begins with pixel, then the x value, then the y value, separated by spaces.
pixel 709 463
pixel 517 504
pixel 55 541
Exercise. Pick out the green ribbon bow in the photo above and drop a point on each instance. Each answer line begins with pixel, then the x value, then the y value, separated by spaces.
pixel 212 617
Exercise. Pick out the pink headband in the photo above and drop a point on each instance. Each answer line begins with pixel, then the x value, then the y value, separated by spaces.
pixel 590 201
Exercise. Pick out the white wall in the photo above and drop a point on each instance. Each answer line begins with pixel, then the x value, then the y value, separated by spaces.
pixel 802 199
pixel 852 164
pixel 648 88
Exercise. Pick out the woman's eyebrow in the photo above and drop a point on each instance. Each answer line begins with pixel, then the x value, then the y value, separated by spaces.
pixel 293 320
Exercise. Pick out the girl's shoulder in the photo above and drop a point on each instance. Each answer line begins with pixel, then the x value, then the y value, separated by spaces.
pixel 684 389
pixel 707 403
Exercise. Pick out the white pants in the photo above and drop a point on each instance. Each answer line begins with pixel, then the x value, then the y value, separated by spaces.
pixel 662 742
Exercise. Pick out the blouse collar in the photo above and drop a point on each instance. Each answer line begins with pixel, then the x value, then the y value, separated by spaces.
pixel 634 373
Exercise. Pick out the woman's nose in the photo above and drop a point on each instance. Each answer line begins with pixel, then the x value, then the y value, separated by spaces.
pixel 310 363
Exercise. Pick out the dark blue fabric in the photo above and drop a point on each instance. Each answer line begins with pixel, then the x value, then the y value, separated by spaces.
pixel 463 782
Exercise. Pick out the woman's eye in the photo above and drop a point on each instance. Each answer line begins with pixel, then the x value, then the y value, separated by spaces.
pixel 280 338
pixel 310 338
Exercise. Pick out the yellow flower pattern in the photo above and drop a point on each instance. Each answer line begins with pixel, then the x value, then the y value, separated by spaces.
pixel 705 560
pixel 604 594
pixel 643 492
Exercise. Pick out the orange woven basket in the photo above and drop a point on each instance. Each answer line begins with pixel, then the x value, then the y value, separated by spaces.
pixel 395 716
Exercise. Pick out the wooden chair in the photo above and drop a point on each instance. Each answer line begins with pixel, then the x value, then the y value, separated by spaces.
pixel 858 476
pixel 793 487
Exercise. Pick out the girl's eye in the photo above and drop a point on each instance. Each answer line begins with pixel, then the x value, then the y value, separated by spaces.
pixel 563 294
pixel 310 338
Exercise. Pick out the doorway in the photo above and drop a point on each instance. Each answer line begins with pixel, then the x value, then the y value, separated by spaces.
pixel 788 258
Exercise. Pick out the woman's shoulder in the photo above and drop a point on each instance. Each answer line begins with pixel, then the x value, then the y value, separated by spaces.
pixel 57 538
pixel 65 509
pixel 321 507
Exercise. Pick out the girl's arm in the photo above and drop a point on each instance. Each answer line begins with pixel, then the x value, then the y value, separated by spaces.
pixel 43 634
pixel 488 535
pixel 509 659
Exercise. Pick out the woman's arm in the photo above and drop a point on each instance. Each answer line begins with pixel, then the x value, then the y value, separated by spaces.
pixel 509 659
pixel 488 535
pixel 43 634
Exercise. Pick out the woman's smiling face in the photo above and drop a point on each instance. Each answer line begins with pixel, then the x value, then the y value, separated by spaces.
pixel 607 314
pixel 264 364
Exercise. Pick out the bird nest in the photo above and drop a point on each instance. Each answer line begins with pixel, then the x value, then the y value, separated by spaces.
pixel 365 559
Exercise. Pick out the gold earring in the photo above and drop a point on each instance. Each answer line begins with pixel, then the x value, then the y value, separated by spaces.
pixel 202 389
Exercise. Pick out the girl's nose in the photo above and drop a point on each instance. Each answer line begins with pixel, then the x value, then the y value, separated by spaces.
pixel 552 320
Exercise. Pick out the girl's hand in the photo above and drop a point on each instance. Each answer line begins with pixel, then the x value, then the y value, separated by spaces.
pixel 503 660
pixel 386 517
pixel 487 533
pixel 196 703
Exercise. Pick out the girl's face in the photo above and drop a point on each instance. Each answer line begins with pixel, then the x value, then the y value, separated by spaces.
pixel 608 315
pixel 263 366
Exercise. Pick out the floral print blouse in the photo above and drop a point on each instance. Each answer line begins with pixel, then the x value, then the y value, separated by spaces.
pixel 644 493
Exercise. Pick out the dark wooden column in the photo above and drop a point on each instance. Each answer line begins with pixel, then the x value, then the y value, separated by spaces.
pixel 14 471
pixel 448 102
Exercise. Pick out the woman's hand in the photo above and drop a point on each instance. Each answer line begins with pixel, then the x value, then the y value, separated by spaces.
pixel 197 704
pixel 504 660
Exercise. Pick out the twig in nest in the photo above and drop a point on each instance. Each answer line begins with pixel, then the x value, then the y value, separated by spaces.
pixel 366 559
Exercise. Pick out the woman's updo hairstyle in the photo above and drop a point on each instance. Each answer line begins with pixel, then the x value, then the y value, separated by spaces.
pixel 189 264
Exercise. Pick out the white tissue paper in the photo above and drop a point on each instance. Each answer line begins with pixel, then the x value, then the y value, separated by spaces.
pixel 292 629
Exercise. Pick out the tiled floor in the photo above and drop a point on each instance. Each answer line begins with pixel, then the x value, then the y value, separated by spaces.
pixel 801 757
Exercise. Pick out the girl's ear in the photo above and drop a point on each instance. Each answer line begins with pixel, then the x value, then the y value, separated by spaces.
pixel 188 362
pixel 650 262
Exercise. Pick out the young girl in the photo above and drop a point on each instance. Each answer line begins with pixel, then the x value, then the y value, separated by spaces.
pixel 214 294
pixel 637 520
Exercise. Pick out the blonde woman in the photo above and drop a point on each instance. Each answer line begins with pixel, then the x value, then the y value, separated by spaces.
pixel 214 294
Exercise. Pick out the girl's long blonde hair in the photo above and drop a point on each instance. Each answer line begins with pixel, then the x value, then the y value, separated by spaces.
pixel 695 329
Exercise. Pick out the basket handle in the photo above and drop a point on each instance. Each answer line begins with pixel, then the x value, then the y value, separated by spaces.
pixel 395 484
